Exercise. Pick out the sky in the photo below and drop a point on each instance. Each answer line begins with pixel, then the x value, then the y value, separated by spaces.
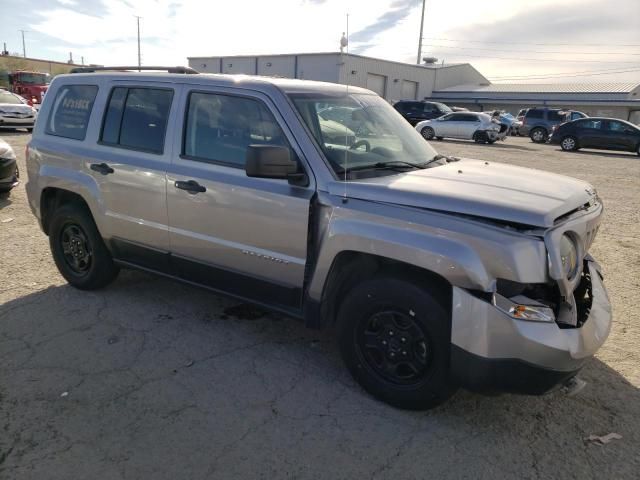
pixel 546 41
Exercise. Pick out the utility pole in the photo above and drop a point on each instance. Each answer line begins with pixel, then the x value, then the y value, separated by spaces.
pixel 24 49
pixel 419 59
pixel 139 57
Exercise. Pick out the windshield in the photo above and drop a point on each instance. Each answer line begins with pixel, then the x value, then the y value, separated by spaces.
pixel 443 108
pixel 6 97
pixel 368 134
pixel 33 78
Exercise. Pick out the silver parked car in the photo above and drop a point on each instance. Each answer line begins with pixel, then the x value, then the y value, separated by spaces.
pixel 437 272
pixel 9 173
pixel 15 112
pixel 463 125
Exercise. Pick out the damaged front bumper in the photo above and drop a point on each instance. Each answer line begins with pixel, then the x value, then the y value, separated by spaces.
pixel 492 351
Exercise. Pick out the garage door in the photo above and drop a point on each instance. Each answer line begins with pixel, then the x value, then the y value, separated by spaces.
pixel 409 90
pixel 377 83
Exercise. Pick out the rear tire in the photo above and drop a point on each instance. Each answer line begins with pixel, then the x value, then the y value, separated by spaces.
pixel 538 135
pixel 395 340
pixel 428 133
pixel 569 144
pixel 480 137
pixel 638 150
pixel 78 249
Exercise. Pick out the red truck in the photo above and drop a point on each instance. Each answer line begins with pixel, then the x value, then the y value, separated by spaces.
pixel 29 85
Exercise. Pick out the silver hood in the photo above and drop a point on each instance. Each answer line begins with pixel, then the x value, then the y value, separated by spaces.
pixel 15 108
pixel 483 189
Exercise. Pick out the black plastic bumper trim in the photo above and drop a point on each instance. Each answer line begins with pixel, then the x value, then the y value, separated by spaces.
pixel 489 375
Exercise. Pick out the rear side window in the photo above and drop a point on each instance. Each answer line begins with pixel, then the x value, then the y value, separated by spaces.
pixel 535 114
pixel 71 110
pixel 219 128
pixel 136 118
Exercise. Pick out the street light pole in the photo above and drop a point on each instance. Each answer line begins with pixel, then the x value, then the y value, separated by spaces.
pixel 419 59
pixel 24 49
pixel 139 57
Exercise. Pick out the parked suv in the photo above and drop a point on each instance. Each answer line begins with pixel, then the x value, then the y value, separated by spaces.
pixel 436 272
pixel 538 123
pixel 417 111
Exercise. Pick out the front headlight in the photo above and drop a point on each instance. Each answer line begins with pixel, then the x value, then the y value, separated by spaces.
pixel 569 256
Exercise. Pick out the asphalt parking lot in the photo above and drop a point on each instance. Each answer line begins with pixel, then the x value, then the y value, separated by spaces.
pixel 154 379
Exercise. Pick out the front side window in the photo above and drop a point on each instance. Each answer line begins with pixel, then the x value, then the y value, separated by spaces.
pixel 617 126
pixel 219 128
pixel 71 110
pixel 136 118
pixel 554 116
pixel 377 141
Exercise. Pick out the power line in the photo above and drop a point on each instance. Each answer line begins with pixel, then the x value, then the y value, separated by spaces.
pixel 539 44
pixel 541 59
pixel 543 77
pixel 529 51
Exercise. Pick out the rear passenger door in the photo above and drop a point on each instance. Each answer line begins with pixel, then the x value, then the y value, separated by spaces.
pixel 590 133
pixel 245 236
pixel 129 166
pixel 467 125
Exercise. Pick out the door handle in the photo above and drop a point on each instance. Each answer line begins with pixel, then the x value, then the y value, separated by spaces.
pixel 190 186
pixel 102 168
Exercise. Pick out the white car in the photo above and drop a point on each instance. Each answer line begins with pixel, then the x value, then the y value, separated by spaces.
pixel 464 125
pixel 15 112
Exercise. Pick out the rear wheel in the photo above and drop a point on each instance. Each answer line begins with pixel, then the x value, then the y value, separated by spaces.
pixel 538 135
pixel 78 249
pixel 569 144
pixel 428 133
pixel 6 190
pixel 480 137
pixel 395 340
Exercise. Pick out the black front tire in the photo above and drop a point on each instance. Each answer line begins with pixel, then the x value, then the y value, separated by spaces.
pixel 428 133
pixel 98 270
pixel 538 135
pixel 427 387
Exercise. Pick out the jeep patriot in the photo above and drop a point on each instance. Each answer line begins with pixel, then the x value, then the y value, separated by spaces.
pixel 436 272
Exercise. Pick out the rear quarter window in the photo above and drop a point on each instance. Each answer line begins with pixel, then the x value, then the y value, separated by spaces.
pixel 71 110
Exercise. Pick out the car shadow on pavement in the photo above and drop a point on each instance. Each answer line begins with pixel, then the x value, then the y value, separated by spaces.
pixel 602 153
pixel 169 372
pixel 500 145
pixel 7 133
pixel 5 200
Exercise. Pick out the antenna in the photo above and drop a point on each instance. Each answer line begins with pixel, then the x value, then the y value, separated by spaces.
pixel 344 42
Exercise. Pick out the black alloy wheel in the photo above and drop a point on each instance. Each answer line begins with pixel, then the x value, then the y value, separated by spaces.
pixel 394 346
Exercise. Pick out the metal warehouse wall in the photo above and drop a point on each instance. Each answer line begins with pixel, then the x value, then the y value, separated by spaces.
pixel 392 80
pixel 355 71
pixel 322 67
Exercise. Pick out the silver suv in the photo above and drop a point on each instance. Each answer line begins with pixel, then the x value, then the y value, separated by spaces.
pixel 437 272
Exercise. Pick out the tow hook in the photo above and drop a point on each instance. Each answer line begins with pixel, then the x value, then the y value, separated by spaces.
pixel 573 386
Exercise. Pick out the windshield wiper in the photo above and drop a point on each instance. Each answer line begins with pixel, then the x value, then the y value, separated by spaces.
pixel 388 165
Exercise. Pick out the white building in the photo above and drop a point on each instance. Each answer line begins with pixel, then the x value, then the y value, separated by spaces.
pixel 456 85
pixel 391 80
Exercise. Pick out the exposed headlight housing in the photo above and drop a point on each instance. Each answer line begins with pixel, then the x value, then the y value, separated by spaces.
pixel 569 256
pixel 523 308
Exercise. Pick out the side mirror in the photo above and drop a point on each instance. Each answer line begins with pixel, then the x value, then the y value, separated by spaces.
pixel 273 161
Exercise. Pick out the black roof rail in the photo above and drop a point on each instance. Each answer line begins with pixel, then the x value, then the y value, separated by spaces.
pixel 184 70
